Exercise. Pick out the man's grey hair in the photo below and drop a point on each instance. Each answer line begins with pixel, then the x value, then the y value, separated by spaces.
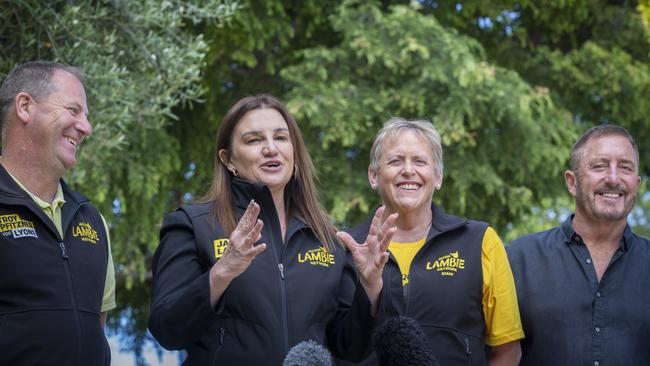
pixel 597 132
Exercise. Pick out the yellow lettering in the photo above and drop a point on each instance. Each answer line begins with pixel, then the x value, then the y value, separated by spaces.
pixel 4 219
pixel 317 257
pixel 220 246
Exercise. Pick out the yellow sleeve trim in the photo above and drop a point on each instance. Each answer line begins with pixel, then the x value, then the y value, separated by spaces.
pixel 500 308
pixel 108 301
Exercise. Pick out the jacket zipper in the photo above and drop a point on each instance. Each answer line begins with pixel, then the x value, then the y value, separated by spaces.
pixel 285 315
pixel 68 277
pixel 468 351
pixel 407 292
pixel 69 280
pixel 283 285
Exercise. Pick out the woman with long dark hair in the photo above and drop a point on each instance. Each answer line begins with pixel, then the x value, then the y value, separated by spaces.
pixel 255 267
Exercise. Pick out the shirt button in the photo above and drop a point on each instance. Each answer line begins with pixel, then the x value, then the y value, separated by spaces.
pixel 588 260
pixel 597 329
pixel 598 294
pixel 596 363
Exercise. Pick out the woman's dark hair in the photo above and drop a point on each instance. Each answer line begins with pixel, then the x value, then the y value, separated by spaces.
pixel 302 196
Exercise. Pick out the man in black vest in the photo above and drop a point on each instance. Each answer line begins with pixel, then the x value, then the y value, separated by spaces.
pixel 583 287
pixel 56 271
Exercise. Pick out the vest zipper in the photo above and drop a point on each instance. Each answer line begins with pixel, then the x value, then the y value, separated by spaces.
pixel 285 314
pixel 468 351
pixel 277 239
pixel 64 255
pixel 68 277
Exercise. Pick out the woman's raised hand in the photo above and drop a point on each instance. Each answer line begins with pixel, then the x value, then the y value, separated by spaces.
pixel 239 253
pixel 241 249
pixel 371 256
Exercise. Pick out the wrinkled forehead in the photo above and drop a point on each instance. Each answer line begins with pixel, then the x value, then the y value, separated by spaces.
pixel 66 87
pixel 405 140
pixel 609 146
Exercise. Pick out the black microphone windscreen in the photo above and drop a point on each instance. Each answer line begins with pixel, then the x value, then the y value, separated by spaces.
pixel 308 353
pixel 400 341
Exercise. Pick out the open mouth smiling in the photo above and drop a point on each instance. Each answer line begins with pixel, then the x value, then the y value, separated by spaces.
pixel 409 186
pixel 71 141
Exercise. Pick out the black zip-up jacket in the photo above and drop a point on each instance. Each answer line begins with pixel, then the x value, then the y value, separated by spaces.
pixel 448 307
pixel 51 288
pixel 293 291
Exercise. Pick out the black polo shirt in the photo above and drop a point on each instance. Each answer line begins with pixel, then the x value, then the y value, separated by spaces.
pixel 568 316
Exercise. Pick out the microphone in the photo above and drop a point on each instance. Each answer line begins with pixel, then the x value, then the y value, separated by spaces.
pixel 400 341
pixel 308 353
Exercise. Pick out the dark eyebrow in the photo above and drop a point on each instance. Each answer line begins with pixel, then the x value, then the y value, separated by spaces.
pixel 257 132
pixel 251 133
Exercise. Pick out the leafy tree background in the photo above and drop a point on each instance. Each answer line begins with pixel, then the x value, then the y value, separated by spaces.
pixel 509 84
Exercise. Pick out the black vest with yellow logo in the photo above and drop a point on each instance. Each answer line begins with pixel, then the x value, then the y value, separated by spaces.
pixel 51 288
pixel 295 290
pixel 445 289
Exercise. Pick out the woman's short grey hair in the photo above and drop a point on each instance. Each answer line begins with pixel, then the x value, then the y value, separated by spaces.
pixel 396 126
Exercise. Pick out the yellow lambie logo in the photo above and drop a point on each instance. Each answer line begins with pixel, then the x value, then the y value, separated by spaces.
pixel 13 225
pixel 86 232
pixel 220 246
pixel 317 257
pixel 447 265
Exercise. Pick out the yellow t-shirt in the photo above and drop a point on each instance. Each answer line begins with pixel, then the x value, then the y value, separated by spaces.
pixel 500 307
pixel 404 254
pixel 53 211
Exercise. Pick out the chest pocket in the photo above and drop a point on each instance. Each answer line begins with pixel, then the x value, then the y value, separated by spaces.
pixel 86 245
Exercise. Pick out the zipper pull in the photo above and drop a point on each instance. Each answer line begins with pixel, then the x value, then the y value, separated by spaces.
pixel 221 333
pixel 467 347
pixel 281 270
pixel 63 253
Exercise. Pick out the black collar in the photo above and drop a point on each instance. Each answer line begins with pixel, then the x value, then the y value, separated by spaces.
pixel 571 236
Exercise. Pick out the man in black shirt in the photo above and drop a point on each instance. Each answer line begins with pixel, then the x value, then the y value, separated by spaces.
pixel 583 287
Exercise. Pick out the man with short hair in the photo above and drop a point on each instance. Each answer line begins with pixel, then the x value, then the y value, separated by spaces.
pixel 56 271
pixel 583 287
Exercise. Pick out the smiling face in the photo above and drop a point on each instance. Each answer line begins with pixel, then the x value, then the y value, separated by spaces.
pixel 261 149
pixel 606 181
pixel 60 122
pixel 406 176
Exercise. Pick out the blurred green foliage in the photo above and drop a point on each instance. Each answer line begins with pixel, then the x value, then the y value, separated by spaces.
pixel 141 64
pixel 509 84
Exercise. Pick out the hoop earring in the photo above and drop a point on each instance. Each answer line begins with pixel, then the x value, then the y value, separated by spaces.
pixel 235 172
